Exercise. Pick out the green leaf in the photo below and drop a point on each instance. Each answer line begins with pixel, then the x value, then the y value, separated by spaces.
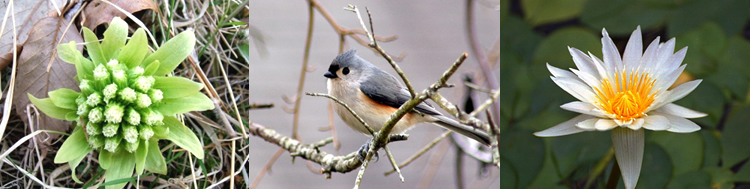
pixel 173 52
pixel 539 12
pixel 684 149
pixel 697 179
pixel 151 68
pixel 244 51
pixel 93 47
pixel 706 44
pixel 132 54
pixel 64 98
pixel 721 178
pixel 183 136
pixel 121 167
pixel 105 159
pixel 656 169
pixel 68 52
pixel 621 17
pixel 176 87
pixel 524 151
pixel 49 108
pixel 160 132
pixel 554 49
pixel 155 160
pixel 73 164
pixel 73 148
pixel 114 38
pixel 730 15
pixel 195 101
pixel 573 152
pixel 734 142
pixel 712 148
pixel 507 174
pixel 743 175
pixel 140 156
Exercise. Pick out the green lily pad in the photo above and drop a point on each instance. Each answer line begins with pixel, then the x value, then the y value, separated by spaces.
pixel 538 12
pixel 684 149
pixel 734 142
pixel 524 151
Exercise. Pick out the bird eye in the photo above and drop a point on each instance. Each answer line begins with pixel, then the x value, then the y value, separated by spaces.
pixel 345 71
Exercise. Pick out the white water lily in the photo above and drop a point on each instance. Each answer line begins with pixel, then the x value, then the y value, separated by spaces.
pixel 626 95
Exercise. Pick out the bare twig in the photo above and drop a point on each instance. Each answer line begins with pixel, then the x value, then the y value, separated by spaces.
pixel 393 162
pixel 305 59
pixel 372 132
pixel 489 76
pixel 421 151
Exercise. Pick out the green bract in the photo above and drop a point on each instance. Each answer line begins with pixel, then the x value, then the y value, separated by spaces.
pixel 126 103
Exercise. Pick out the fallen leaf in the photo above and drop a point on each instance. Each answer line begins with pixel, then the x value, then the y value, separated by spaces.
pixel 26 12
pixel 7 57
pixel 32 74
pixel 98 12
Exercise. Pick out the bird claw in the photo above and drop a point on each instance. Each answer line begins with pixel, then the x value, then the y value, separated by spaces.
pixel 362 153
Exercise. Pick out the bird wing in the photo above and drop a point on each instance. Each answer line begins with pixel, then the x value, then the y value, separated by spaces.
pixel 384 89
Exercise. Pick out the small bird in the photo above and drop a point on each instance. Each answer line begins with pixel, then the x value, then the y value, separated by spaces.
pixel 374 95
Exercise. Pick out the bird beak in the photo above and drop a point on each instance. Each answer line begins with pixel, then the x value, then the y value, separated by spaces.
pixel 331 75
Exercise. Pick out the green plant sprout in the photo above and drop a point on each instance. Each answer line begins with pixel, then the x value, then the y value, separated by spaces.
pixel 126 102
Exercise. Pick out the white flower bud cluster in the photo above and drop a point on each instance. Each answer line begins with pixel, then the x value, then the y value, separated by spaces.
pixel 115 107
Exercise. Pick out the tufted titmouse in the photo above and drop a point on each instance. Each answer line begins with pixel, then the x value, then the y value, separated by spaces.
pixel 374 95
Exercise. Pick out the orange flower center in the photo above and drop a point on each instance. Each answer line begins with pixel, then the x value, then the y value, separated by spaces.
pixel 629 97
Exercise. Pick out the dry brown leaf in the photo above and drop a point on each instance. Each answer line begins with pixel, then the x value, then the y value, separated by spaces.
pixel 98 12
pixel 32 74
pixel 27 12
pixel 7 57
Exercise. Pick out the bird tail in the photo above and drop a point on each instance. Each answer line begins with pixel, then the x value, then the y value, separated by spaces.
pixel 469 131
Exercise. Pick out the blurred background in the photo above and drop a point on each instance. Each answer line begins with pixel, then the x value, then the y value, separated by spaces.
pixel 431 35
pixel 535 32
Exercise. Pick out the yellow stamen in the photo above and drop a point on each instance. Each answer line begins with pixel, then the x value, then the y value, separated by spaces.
pixel 629 97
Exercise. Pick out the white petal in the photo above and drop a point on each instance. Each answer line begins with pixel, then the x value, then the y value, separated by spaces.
pixel 677 58
pixel 623 123
pixel 583 62
pixel 628 145
pixel 612 60
pixel 665 81
pixel 681 91
pixel 605 124
pixel 637 124
pixel 557 72
pixel 584 108
pixel 655 122
pixel 599 66
pixel 679 111
pixel 587 78
pixel 564 128
pixel 576 88
pixel 648 61
pixel 665 52
pixel 587 125
pixel 681 125
pixel 634 50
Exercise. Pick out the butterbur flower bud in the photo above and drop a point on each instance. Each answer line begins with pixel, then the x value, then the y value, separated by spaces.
pixel 146 132
pixel 111 143
pixel 143 101
pixel 96 141
pixel 93 129
pixel 95 115
pixel 131 146
pixel 156 95
pixel 85 86
pixel 81 100
pixel 130 133
pixel 143 83
pixel 120 77
pixel 137 71
pixel 110 130
pixel 114 113
pixel 101 73
pixel 128 95
pixel 133 117
pixel 112 64
pixel 82 109
pixel 110 91
pixel 94 99
pixel 154 118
